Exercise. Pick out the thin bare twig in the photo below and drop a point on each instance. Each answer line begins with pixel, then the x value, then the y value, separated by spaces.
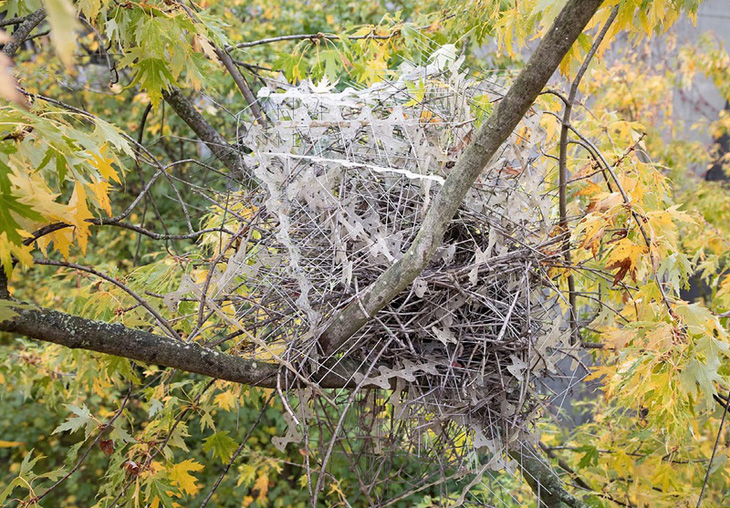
pixel 162 321
pixel 238 451
pixel 81 459
pixel 563 170
pixel 714 452
pixel 319 36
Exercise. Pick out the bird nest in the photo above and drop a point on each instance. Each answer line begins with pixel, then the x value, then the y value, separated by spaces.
pixel 448 368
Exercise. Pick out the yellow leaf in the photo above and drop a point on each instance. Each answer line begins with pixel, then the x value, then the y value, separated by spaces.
pixel 619 337
pixel 202 44
pixel 101 192
pixel 62 240
pixel 590 189
pixel 626 249
pixel 180 476
pixel 10 444
pixel 62 16
pixel 104 165
pixel 262 485
pixel 9 249
pixel 625 257
pixel 79 215
pixel 225 400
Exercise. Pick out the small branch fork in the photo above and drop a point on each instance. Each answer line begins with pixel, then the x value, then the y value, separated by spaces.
pixel 22 33
pixel 486 141
pixel 627 201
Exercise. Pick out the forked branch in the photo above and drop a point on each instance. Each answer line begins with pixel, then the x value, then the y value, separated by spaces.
pixel 542 64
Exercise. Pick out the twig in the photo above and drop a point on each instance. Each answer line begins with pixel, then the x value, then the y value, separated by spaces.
pixel 162 321
pixel 13 21
pixel 81 459
pixel 242 85
pixel 237 452
pixel 627 201
pixel 714 452
pixel 319 36
pixel 563 170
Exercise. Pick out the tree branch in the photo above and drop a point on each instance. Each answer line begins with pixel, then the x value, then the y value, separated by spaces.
pixel 222 150
pixel 487 140
pixel 319 36
pixel 563 171
pixel 544 482
pixel 242 84
pixel 115 339
pixel 21 34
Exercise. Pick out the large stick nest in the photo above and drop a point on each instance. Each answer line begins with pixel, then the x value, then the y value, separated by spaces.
pixel 346 177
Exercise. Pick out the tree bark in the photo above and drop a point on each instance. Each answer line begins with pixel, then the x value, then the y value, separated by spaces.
pixel 544 482
pixel 222 150
pixel 21 34
pixel 542 64
pixel 115 339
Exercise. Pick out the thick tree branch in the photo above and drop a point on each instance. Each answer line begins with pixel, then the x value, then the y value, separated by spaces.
pixel 21 34
pixel 222 150
pixel 544 482
pixel 4 293
pixel 542 64
pixel 115 339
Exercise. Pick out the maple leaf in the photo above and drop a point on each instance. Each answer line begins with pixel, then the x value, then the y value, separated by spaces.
pixel 83 418
pixel 221 444
pixel 625 257
pixel 594 229
pixel 101 193
pixel 79 215
pixel 225 400
pixel 180 476
pixel 10 205
pixel 9 249
pixel 154 76
pixel 104 165
pixel 262 485
pixel 62 240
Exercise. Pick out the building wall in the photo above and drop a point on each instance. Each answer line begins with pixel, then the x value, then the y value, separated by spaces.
pixel 703 100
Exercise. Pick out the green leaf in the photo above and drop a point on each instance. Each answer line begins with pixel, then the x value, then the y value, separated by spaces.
pixel 107 131
pixel 154 76
pixel 8 309
pixel 83 418
pixel 221 444
pixel 590 456
pixel 156 488
pixel 28 463
pixel 9 489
